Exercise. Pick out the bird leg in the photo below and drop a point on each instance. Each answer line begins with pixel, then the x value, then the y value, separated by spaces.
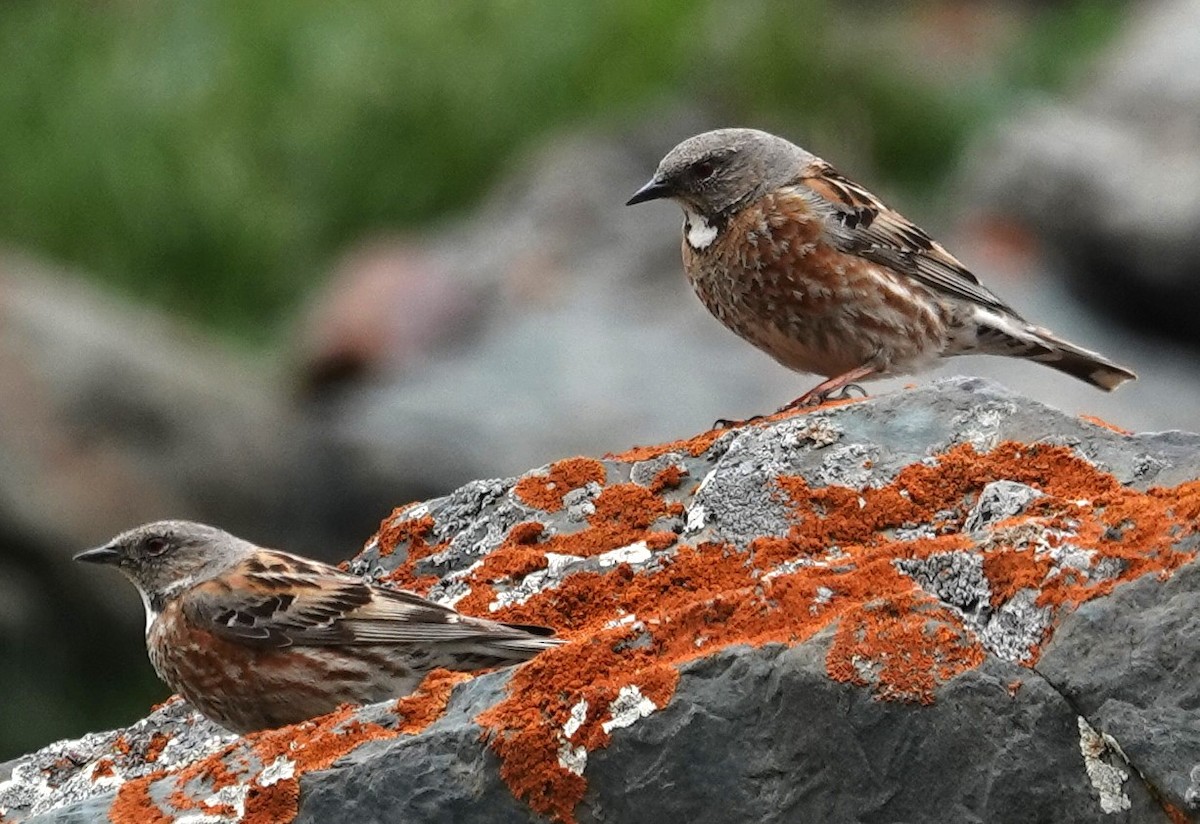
pixel 840 384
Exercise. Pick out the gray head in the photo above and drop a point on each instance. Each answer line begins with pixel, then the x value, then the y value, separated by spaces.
pixel 714 172
pixel 165 557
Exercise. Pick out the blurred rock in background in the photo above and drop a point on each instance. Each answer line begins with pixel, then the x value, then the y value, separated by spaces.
pixel 1109 176
pixel 111 414
pixel 386 262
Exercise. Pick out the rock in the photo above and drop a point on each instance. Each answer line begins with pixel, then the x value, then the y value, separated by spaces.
pixel 1110 178
pixel 801 650
pixel 123 414
pixel 113 415
pixel 997 501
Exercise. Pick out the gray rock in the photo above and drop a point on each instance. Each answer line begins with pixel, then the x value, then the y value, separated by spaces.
pixel 1034 708
pixel 789 745
pixel 456 780
pixel 1129 663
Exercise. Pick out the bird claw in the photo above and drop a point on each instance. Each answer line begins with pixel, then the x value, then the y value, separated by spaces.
pixel 845 393
pixel 725 423
pixel 812 398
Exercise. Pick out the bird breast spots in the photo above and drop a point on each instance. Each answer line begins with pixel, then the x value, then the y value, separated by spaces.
pixel 775 229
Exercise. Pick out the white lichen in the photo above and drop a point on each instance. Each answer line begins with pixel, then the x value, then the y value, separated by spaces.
pixel 625 620
pixel 571 758
pixel 635 553
pixel 629 707
pixel 233 796
pixel 577 717
pixel 281 769
pixel 1106 779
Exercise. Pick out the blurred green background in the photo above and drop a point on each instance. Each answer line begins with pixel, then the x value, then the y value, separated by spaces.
pixel 213 158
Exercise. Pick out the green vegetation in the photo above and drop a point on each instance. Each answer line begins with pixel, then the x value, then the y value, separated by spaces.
pixel 212 157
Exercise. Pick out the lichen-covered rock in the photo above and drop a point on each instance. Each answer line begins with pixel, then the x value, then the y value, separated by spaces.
pixel 945 604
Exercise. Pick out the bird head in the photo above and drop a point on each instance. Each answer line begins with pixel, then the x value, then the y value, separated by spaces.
pixel 166 557
pixel 714 172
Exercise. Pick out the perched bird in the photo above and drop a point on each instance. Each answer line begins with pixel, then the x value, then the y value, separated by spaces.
pixel 814 270
pixel 254 638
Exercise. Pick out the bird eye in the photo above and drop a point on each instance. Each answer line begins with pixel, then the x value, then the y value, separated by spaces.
pixel 703 170
pixel 156 546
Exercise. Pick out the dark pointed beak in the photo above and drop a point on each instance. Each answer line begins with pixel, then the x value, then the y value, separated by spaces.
pixel 99 555
pixel 654 190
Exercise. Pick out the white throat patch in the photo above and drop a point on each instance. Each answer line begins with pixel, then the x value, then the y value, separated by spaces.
pixel 699 232
pixel 168 593
pixel 150 613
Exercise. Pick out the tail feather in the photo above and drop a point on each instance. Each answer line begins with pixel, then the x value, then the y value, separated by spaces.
pixel 522 640
pixel 1000 334
pixel 1090 367
pixel 525 646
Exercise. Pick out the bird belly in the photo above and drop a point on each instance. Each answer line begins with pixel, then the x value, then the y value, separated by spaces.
pixel 246 688
pixel 815 309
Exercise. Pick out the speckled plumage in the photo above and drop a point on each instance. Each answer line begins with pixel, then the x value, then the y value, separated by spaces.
pixel 818 273
pixel 256 638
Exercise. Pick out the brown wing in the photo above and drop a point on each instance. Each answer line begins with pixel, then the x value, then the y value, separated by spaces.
pixel 274 599
pixel 861 225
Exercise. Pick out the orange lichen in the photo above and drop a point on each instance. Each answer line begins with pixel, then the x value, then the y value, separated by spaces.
pixel 700 443
pixel 278 802
pixel 623 514
pixel 527 734
pixel 890 635
pixel 903 647
pixel 174 699
pixel 1176 815
pixel 690 446
pixel 155 747
pixel 1092 419
pixel 784 414
pixel 428 701
pixel 103 768
pixel 133 804
pixel 1009 572
pixel 546 492
pixel 518 556
pixel 526 532
pixel 211 772
pixel 311 745
pixel 412 531
pixel 411 534
pixel 668 478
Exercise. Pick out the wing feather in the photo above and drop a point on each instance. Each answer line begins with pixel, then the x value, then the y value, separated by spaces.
pixel 277 600
pixel 861 225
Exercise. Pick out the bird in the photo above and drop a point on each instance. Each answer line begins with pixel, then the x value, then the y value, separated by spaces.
pixel 256 638
pixel 813 269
